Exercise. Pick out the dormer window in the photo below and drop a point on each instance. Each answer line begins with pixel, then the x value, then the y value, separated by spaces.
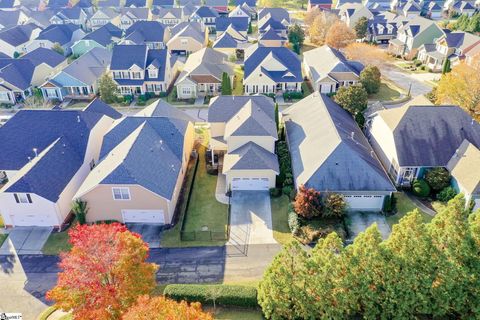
pixel 22 198
pixel 153 73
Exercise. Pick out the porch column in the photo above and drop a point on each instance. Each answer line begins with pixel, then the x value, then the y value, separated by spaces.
pixel 213 156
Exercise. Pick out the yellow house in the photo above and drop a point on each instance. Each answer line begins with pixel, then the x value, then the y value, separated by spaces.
pixel 243 134
pixel 144 161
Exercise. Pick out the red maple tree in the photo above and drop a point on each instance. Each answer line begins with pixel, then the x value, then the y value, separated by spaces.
pixel 104 273
pixel 308 202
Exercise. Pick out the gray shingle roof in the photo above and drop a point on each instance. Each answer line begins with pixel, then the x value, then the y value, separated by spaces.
pixel 44 55
pixel 160 108
pixel 430 135
pixel 18 34
pixel 250 156
pixel 324 155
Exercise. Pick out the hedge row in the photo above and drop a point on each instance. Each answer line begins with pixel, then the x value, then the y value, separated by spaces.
pixel 225 295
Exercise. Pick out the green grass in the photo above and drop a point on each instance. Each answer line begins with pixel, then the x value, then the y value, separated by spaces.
pixel 236 314
pixel 58 242
pixel 238 82
pixel 3 237
pixel 281 231
pixel 387 92
pixel 404 206
pixel 203 211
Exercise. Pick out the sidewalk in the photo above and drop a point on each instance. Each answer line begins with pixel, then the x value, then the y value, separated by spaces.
pixel 220 189
pixel 420 205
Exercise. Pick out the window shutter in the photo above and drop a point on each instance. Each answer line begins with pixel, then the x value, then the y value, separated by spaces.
pixel 16 198
pixel 29 198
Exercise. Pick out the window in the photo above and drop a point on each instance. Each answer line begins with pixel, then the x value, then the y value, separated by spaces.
pixel 186 90
pixel 4 96
pixel 42 45
pixel 136 75
pixel 121 193
pixel 22 198
pixel 153 73
pixel 92 164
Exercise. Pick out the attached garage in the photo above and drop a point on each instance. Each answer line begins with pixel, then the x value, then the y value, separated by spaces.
pixel 27 220
pixel 365 202
pixel 325 88
pixel 143 216
pixel 250 184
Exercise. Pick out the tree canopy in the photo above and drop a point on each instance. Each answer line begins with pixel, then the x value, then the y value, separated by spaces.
pixel 339 35
pixel 370 78
pixel 104 273
pixel 461 86
pixel 107 88
pixel 226 84
pixel 423 270
pixel 354 98
pixel 361 27
pixel 296 37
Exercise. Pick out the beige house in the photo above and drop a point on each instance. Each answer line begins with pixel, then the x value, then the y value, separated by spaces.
pixel 463 167
pixel 328 69
pixel 47 63
pixel 350 13
pixel 144 161
pixel 187 37
pixel 243 134
pixel 202 74
pixel 48 162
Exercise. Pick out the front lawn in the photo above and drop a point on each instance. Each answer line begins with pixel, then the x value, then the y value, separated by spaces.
pixel 404 205
pixel 238 82
pixel 281 230
pixel 57 242
pixel 387 92
pixel 204 212
pixel 3 237
pixel 236 314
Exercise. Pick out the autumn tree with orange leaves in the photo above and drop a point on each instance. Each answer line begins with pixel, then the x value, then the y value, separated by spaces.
pixel 161 308
pixel 461 87
pixel 104 273
pixel 308 202
pixel 340 35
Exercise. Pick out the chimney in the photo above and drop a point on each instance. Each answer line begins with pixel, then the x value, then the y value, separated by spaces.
pixel 352 135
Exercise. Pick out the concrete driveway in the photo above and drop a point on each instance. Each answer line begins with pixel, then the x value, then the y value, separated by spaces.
pixel 250 219
pixel 150 232
pixel 26 240
pixel 359 221
pixel 405 80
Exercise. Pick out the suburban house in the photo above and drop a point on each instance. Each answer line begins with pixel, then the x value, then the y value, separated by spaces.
pixel 63 34
pixel 409 9
pixel 78 80
pixel 40 18
pixel 206 16
pixel 328 69
pixel 128 16
pixel 272 70
pixel 168 16
pixel 151 33
pixel 221 6
pixel 103 16
pixel 350 13
pixel 141 172
pixel 160 108
pixel 434 10
pixel 9 19
pixel 276 18
pixel 103 37
pixel 410 139
pixel 270 38
pixel 412 35
pixel 14 41
pixel 9 4
pixel 46 63
pixel 243 134
pixel 452 46
pixel 463 8
pixel 242 11
pixel 231 43
pixel 383 27
pixel 239 24
pixel 46 164
pixel 202 74
pixel 75 15
pixel 137 69
pixel 330 154
pixel 320 4
pixel 187 37
pixel 16 80
pixel 183 3
pixel 463 167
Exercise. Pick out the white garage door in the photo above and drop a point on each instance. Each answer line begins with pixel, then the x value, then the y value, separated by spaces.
pixel 367 203
pixel 28 220
pixel 325 88
pixel 143 216
pixel 250 184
